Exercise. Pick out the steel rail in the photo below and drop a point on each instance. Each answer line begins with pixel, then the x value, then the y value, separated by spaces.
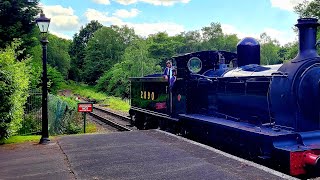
pixel 122 117
pixel 109 122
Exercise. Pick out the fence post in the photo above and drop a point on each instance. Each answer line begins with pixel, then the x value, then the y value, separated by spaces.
pixel 84 122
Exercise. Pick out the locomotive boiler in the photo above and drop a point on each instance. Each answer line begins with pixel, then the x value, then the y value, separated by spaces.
pixel 270 113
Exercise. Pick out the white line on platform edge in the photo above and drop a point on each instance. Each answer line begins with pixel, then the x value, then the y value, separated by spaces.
pixel 264 168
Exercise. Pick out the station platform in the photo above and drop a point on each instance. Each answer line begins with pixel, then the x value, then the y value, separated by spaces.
pixel 148 154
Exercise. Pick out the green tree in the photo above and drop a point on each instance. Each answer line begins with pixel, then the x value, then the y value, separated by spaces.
pixel 55 78
pixel 136 62
pixel 16 17
pixel 14 83
pixel 58 56
pixel 308 9
pixel 77 49
pixel 163 46
pixel 269 50
pixel 191 41
pixel 104 50
pixel 35 64
pixel 229 43
pixel 127 34
pixel 212 37
pixel 288 51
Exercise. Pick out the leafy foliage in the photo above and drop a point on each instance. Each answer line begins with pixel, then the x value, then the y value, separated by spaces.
pixel 14 83
pixel 58 56
pixel 308 8
pixel 63 117
pixel 288 51
pixel 92 94
pixel 35 65
pixel 104 50
pixel 77 49
pixel 30 124
pixel 56 80
pixel 135 62
pixel 162 46
pixel 192 41
pixel 16 19
pixel 269 50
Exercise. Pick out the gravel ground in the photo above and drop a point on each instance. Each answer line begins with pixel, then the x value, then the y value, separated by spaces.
pixel 101 127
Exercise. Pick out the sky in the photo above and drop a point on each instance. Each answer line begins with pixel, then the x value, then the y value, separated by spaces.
pixel 246 18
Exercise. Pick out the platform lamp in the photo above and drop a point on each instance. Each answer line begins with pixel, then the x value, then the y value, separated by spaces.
pixel 43 23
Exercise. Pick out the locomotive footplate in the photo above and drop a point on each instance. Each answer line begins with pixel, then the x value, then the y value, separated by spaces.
pixel 290 152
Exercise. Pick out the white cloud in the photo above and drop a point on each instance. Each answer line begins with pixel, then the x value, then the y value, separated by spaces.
pixel 286 4
pixel 61 18
pixel 122 13
pixel 145 29
pixel 105 2
pixel 142 29
pixel 61 35
pixel 126 2
pixel 153 2
pixel 229 29
pixel 102 17
pixel 283 37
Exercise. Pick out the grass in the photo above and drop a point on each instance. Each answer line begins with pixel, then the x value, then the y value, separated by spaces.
pixel 85 91
pixel 90 128
pixel 90 92
pixel 21 139
pixel 117 104
pixel 70 100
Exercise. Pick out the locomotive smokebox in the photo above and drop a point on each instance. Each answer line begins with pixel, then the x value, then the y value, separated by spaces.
pixel 248 50
pixel 307 38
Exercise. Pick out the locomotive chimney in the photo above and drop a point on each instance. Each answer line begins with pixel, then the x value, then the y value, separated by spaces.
pixel 307 38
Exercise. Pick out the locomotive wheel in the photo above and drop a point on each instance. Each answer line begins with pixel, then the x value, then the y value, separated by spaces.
pixel 132 120
pixel 139 121
pixel 162 124
pixel 184 132
pixel 151 123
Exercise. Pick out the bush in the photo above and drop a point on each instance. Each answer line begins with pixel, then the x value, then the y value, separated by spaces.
pixel 31 124
pixel 63 116
pixel 14 83
pixel 56 80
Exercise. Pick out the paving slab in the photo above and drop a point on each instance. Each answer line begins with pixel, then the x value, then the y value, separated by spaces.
pixel 33 161
pixel 154 155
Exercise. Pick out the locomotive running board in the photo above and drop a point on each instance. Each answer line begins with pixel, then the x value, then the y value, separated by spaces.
pixel 161 115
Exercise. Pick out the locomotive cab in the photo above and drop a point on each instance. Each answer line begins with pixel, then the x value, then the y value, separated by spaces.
pixel 152 95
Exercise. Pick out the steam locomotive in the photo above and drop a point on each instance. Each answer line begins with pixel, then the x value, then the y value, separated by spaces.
pixel 270 114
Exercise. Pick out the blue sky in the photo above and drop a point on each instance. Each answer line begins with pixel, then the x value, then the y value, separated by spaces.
pixel 241 17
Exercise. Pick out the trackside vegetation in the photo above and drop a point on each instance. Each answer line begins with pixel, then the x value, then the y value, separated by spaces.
pixel 20 139
pixel 14 83
pixel 91 94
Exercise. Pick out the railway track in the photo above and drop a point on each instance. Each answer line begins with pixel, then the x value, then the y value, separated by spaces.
pixel 115 120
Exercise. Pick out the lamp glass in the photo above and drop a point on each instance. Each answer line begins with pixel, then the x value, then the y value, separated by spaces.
pixel 43 26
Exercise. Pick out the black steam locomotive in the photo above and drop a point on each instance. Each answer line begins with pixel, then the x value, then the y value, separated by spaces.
pixel 268 113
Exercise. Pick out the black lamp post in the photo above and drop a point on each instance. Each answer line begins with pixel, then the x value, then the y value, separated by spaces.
pixel 43 24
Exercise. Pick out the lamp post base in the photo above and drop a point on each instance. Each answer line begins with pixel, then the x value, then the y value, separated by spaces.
pixel 44 141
